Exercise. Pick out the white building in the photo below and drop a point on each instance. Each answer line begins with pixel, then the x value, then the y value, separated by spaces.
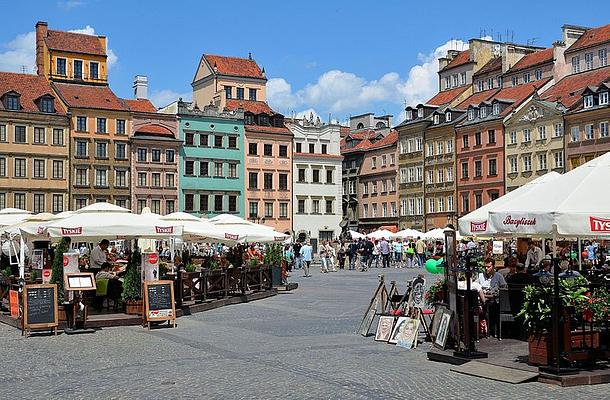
pixel 316 175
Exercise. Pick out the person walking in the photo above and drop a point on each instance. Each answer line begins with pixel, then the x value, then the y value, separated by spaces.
pixel 298 259
pixel 397 253
pixel 384 249
pixel 420 252
pixel 341 256
pixel 353 253
pixel 306 253
pixel 332 256
pixel 367 255
pixel 376 254
pixel 324 257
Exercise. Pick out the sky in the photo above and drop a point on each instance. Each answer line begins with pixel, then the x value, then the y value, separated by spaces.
pixel 332 58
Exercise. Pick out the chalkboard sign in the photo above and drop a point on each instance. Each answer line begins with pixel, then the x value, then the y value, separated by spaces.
pixel 40 307
pixel 159 301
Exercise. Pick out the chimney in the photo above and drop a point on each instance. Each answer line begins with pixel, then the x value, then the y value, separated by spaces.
pixel 571 33
pixel 140 87
pixel 444 61
pixel 41 34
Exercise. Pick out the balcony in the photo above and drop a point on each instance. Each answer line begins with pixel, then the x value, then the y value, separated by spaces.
pixel 101 79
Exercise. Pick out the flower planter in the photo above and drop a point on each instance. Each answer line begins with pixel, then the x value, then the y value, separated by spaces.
pixel 134 307
pixel 538 346
pixel 61 314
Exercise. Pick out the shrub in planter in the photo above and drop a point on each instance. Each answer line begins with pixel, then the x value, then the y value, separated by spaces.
pixel 132 285
pixel 273 256
pixel 57 272
pixel 436 292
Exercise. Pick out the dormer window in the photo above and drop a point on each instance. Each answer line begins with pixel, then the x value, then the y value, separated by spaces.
pixel 263 119
pixel 588 103
pixel 496 109
pixel 448 116
pixel 470 114
pixel 603 98
pixel 61 66
pixel 480 85
pixel 483 112
pixel 420 113
pixel 94 70
pixel 436 119
pixel 46 105
pixel 12 102
pixel 409 115
pixel 249 119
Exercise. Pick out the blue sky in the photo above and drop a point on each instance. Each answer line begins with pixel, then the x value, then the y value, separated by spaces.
pixel 338 57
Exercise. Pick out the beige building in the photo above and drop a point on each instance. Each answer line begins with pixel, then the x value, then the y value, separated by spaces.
pixel 34 134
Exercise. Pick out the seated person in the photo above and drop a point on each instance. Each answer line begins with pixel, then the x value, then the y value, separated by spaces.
pixel 105 272
pixel 544 274
pixel 566 271
pixel 474 285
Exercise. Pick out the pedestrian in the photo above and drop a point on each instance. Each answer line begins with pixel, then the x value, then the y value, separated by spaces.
pixel 420 252
pixel 376 254
pixel 384 249
pixel 306 253
pixel 324 257
pixel 332 256
pixel 341 255
pixel 397 253
pixel 366 254
pixel 353 253
pixel 298 259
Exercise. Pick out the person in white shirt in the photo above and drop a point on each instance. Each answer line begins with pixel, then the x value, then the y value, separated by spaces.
pixel 534 255
pixel 99 255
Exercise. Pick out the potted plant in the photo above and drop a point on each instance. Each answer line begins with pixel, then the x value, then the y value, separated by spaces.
pixel 132 285
pixel 57 274
pixel 273 259
pixel 436 293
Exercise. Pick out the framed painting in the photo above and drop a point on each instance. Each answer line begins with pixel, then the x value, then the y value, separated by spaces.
pixel 442 334
pixel 384 329
pixel 408 337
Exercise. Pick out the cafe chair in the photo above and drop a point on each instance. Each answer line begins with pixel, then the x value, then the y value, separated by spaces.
pixel 101 293
pixel 506 314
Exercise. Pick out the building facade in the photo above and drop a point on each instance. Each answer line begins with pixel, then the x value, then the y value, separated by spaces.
pixel 316 182
pixel 34 134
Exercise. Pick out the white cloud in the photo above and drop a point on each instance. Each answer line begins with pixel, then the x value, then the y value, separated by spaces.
pixel 20 53
pixel 69 4
pixel 161 98
pixel 341 92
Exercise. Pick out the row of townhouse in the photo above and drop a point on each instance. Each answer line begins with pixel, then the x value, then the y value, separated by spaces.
pixel 504 115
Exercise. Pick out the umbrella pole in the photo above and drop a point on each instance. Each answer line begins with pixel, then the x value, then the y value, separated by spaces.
pixel 579 254
pixel 172 246
pixel 21 257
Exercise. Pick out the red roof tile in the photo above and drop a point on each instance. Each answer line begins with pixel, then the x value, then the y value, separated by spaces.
pixel 494 64
pixel 568 90
pixel 517 94
pixel 235 66
pixel 363 145
pixel 533 59
pixel 255 107
pixel 446 96
pixel 88 96
pixel 154 129
pixel 390 139
pixel 477 98
pixel 140 105
pixel 74 43
pixel 462 58
pixel 591 37
pixel 30 88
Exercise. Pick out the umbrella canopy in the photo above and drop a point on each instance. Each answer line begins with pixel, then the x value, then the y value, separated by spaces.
pixel 356 235
pixel 409 233
pixel 239 230
pixel 477 223
pixel 32 221
pixel 11 216
pixel 194 228
pixel 381 233
pixel 573 205
pixel 438 234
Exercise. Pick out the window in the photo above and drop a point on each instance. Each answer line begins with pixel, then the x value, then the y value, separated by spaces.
pixel 315 206
pixel 311 148
pixel 515 80
pixel 218 141
pixel 384 186
pixel 430 176
pixel 542 162
pixel 527 163
pixel 575 134
pixel 496 109
pixel 329 176
pixel 203 139
pixel 588 101
pixel 81 124
pixel 603 98
pixel 19 200
pixel 283 181
pixel 101 150
pixel 541 132
pixel 101 125
pixel 3 133
pixel 120 126
pixel 477 139
pixel 492 167
pixel 527 136
pixel 420 206
pixel 409 115
pixel 20 168
pixel 419 173
pixel 252 149
pixel 480 85
pixel 464 170
pixel 268 150
pixel 558 156
pixel 58 136
pixel 80 203
pixel 589 132
pixel 478 200
pixel 58 203
pixel 483 112
pixel 170 206
pixel 228 92
pixel 189 202
pixel 81 177
pixel 101 177
pixel 46 105
pixel 450 146
pixel 252 94
pixel 2 167
pixel 392 185
pixel 301 206
pixel 12 102
pixel 142 154
pixel 392 159
pixel 218 169
pixel 374 187
pixel 218 203
pixel 299 147
pixel 60 66
pixel 58 169
pixel 155 155
pixel 419 144
pixel 449 174
pixel 283 150
pixel 155 179
pixel 120 178
pixel 440 175
pixel 39 135
pixel 189 139
pixel 253 180
pixel 324 149
pixel 365 188
pixel 447 83
pixel 512 137
pixel 316 176
pixel 558 130
pixel 538 74
pixel 169 181
pixel 454 81
pixel 120 151
pixel 512 162
pixel 436 119
pixel 155 206
pixel 249 119
pixel 494 196
pixel 526 77
pixel 204 205
pixel 232 142
pixel 449 203
pixel 20 135
pixel 189 167
pixel 478 169
pixel 38 203
pixel 490 83
pixel 429 150
pixel 93 70
pixel 420 112
pixel 329 207
pixel 268 181
pixel 603 129
pixel 588 61
pixel 575 64
pixel 603 57
pixel 232 204
pixel 491 136
pixel 39 168
pixel 403 207
pixel 465 140
pixel 301 175
pixel 232 170
pixel 448 116
pixel 374 210
pixel 463 78
pixel 142 204
pixel 240 93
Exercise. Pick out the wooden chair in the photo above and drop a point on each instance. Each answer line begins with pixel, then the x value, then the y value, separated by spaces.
pixel 505 314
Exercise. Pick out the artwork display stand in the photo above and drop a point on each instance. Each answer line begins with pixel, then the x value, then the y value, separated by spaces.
pixel 377 306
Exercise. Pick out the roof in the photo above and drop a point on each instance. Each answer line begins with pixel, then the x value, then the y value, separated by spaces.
pixel 140 105
pixel 591 37
pixel 462 58
pixel 154 129
pixel 29 87
pixel 446 96
pixel 477 98
pixel 365 145
pixel 364 134
pixel 533 59
pixel 568 90
pixel 492 65
pixel 315 155
pixel 88 96
pixel 517 94
pixel 234 66
pixel 268 129
pixel 74 43
pixel 254 107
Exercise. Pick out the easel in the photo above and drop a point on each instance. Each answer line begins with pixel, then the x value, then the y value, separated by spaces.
pixel 398 301
pixel 379 299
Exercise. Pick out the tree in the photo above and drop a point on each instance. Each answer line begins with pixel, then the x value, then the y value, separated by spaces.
pixel 132 280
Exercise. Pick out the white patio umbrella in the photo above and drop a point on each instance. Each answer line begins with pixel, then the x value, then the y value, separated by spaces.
pixel 438 234
pixel 194 228
pixel 573 205
pixel 11 216
pixel 409 233
pixel 381 233
pixel 356 235
pixel 477 223
pixel 239 230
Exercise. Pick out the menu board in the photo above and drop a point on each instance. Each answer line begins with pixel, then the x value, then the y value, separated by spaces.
pixel 79 281
pixel 40 307
pixel 159 301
